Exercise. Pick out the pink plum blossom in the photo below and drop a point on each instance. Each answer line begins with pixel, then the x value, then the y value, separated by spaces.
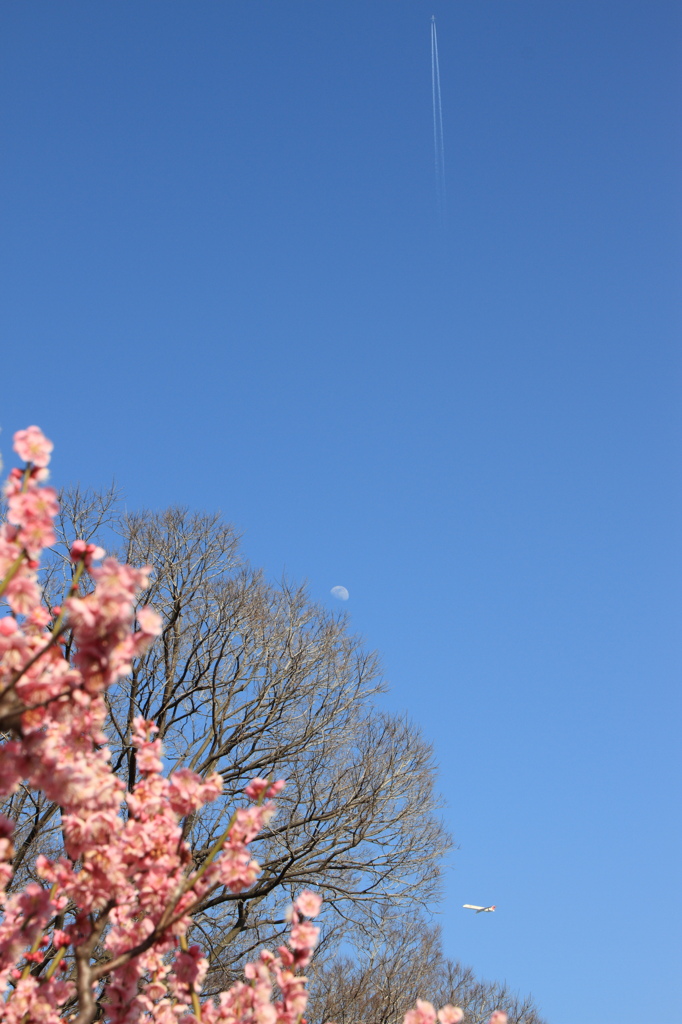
pixel 249 821
pixel 450 1014
pixel 423 1013
pixel 236 869
pixel 31 445
pixel 187 791
pixel 304 935
pixel 257 789
pixel 309 904
pixel 81 551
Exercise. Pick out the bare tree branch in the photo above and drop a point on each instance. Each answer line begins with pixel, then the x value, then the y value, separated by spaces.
pixel 392 968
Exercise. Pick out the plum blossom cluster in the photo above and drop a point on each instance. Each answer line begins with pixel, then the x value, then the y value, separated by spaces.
pixel 425 1013
pixel 103 933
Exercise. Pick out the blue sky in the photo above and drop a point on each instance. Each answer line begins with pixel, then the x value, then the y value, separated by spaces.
pixel 224 284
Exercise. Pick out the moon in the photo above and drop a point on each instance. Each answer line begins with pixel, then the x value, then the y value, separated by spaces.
pixel 340 592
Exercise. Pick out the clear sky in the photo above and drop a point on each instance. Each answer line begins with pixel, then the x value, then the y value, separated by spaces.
pixel 224 284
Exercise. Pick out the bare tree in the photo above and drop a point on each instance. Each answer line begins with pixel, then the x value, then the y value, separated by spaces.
pixel 249 678
pixel 396 965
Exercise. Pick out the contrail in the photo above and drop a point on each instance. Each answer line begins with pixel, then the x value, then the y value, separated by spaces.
pixel 438 150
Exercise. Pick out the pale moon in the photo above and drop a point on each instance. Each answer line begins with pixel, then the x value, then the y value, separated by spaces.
pixel 340 592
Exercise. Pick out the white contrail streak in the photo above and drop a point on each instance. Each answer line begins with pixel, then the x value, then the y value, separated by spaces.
pixel 438 150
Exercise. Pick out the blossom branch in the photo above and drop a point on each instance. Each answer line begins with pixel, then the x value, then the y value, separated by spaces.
pixel 124 888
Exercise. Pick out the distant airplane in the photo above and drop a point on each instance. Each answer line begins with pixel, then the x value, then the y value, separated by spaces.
pixel 479 910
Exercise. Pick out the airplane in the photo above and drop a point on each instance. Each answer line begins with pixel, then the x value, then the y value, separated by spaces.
pixel 479 910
